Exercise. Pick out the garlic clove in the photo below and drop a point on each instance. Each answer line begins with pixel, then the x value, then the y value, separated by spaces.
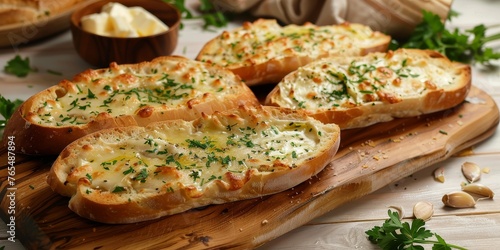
pixel 478 189
pixel 423 210
pixel 439 174
pixel 459 199
pixel 471 171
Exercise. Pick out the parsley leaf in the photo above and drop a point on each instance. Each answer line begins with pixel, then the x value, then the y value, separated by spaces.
pixel 7 108
pixel 118 189
pixel 143 174
pixel 394 234
pixel 18 66
pixel 457 45
pixel 210 15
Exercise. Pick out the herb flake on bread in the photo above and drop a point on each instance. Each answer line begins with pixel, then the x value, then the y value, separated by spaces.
pixel 132 174
pixel 264 52
pixel 360 91
pixel 124 95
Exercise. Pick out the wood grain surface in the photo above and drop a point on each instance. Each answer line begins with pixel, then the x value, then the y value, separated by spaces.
pixel 368 159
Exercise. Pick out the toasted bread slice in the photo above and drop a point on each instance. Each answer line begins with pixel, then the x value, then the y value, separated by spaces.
pixel 360 91
pixel 124 95
pixel 29 11
pixel 264 52
pixel 132 174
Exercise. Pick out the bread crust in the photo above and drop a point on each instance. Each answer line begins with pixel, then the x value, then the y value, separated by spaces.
pixel 349 114
pixel 256 179
pixel 34 136
pixel 270 54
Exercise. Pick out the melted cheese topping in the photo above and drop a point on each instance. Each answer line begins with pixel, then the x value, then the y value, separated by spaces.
pixel 389 78
pixel 258 42
pixel 124 91
pixel 163 161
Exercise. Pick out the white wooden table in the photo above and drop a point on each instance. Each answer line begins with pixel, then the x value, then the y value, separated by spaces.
pixel 344 227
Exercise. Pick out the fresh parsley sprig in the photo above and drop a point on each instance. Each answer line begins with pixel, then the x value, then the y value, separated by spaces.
pixel 463 46
pixel 7 108
pixel 181 7
pixel 394 234
pixel 211 16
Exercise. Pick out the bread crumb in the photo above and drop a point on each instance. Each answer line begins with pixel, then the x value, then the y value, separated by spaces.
pixel 364 166
pixel 264 222
pixel 368 143
pixel 376 157
pixel 486 170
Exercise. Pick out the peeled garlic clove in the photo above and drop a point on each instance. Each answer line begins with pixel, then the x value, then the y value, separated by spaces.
pixel 459 199
pixel 479 189
pixel 423 210
pixel 471 171
pixel 439 174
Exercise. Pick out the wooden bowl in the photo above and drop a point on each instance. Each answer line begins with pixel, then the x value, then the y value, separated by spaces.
pixel 100 51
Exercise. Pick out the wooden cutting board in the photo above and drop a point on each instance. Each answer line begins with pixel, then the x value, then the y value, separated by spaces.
pixel 368 159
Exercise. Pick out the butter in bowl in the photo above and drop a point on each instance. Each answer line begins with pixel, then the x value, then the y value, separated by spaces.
pixel 118 20
pixel 125 31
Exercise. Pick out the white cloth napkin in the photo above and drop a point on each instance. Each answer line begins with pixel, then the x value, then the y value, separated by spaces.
pixel 394 17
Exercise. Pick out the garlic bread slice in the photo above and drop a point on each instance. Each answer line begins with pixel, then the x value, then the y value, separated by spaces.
pixel 264 52
pixel 132 174
pixel 360 91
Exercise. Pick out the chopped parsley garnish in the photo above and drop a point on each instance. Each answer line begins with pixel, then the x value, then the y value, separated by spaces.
pixel 129 171
pixel 118 189
pixel 143 174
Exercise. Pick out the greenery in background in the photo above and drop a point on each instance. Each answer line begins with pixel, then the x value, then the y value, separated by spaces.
pixel 210 15
pixel 463 46
pixel 18 66
pixel 7 108
pixel 394 234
